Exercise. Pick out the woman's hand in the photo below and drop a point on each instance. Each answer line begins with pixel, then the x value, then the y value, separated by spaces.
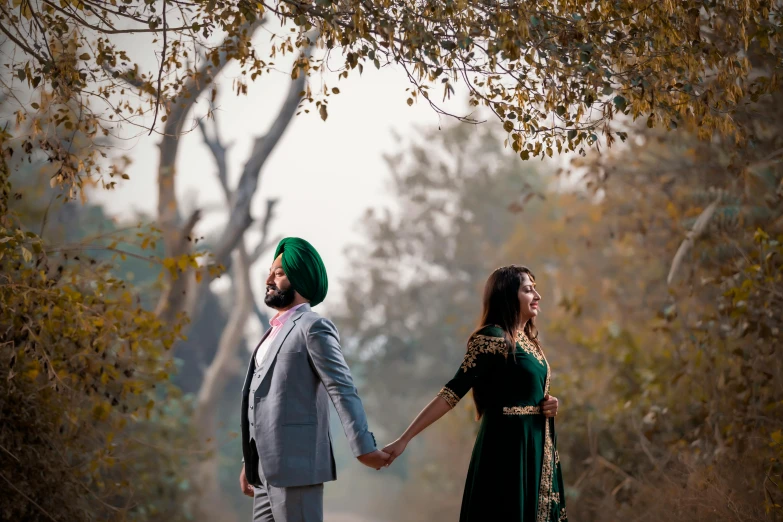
pixel 395 449
pixel 549 406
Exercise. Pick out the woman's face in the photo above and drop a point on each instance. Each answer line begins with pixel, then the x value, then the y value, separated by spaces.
pixel 528 299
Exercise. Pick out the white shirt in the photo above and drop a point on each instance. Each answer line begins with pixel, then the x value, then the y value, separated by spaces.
pixel 276 323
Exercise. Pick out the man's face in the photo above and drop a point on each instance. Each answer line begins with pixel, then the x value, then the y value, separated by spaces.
pixel 279 292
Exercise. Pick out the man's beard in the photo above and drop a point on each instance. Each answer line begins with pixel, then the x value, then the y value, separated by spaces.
pixel 279 298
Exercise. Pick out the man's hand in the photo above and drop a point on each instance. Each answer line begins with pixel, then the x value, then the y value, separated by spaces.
pixel 549 406
pixel 376 459
pixel 395 449
pixel 246 488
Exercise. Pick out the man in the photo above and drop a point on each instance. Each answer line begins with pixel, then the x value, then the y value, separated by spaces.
pixel 295 369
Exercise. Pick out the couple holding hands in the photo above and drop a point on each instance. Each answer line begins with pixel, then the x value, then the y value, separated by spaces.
pixel 298 367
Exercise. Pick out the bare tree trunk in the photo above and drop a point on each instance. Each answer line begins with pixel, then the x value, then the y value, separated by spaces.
pixel 210 503
pixel 176 238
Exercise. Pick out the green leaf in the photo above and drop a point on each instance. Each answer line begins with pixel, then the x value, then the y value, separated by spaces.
pixel 448 45
pixel 620 103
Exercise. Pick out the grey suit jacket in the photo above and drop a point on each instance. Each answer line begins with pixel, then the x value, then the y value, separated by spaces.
pixel 303 368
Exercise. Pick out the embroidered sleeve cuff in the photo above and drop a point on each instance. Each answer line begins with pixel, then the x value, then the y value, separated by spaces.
pixel 449 396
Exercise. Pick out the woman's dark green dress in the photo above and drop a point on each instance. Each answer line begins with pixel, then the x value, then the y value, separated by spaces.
pixel 514 473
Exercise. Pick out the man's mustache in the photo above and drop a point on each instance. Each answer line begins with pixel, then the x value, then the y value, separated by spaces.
pixel 272 287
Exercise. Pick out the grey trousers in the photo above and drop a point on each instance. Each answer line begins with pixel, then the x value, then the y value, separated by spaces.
pixel 295 504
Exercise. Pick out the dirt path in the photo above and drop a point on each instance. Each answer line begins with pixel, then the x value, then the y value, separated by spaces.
pixel 334 516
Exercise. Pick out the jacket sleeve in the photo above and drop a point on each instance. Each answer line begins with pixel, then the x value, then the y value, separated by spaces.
pixel 323 345
pixel 484 354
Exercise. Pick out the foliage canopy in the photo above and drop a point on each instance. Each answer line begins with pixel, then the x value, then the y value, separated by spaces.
pixel 556 73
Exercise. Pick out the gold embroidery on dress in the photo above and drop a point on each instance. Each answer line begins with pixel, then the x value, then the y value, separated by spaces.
pixel 545 494
pixel 556 497
pixel 479 344
pixel 563 516
pixel 449 396
pixel 522 410
pixel 530 348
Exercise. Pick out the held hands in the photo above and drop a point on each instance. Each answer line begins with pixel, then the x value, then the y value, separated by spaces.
pixel 376 459
pixel 549 406
pixel 395 449
pixel 246 488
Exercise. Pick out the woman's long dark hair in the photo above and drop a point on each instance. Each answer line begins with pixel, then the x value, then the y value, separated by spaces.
pixel 501 308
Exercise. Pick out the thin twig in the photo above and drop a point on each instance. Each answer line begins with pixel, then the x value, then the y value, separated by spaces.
pixel 33 502
pixel 160 72
pixel 12 455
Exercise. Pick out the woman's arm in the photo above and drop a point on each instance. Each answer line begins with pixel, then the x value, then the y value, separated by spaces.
pixel 436 409
pixel 484 353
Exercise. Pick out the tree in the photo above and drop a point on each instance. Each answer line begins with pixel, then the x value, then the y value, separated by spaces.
pixel 555 80
pixel 697 374
pixel 91 426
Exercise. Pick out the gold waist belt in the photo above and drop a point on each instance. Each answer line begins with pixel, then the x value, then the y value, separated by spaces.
pixel 522 410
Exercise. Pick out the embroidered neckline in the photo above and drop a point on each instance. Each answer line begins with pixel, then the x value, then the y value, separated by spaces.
pixel 530 348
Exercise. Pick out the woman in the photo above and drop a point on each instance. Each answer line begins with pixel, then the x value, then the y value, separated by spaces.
pixel 514 472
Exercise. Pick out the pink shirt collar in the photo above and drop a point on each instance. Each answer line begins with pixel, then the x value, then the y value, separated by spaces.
pixel 281 318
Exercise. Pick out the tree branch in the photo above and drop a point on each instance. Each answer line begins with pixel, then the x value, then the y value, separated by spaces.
pixel 263 146
pixel 219 152
pixel 265 243
pixel 690 239
pixel 173 299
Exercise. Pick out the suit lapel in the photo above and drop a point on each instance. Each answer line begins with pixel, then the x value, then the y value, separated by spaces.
pixel 271 352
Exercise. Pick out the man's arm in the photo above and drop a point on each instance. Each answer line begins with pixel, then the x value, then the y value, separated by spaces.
pixel 323 344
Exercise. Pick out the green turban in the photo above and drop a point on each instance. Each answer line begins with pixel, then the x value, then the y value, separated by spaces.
pixel 305 269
